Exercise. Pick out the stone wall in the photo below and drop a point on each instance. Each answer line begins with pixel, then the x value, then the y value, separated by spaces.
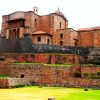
pixel 69 37
pixel 89 38
pixel 12 82
pixel 42 58
pixel 18 81
pixel 44 39
pixel 86 38
pixel 4 83
pixel 46 75
pixel 69 82
pixel 59 22
pixel 91 72
pixel 35 70
pixel 24 45
pixel 90 69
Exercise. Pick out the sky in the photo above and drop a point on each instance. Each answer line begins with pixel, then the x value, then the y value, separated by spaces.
pixel 80 13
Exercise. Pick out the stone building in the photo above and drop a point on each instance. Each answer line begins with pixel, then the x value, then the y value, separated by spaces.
pixel 49 29
pixel 89 37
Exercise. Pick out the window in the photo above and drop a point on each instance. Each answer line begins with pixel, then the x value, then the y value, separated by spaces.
pixel 26 35
pixel 17 34
pixel 39 39
pixel 35 22
pixel 48 41
pixel 61 43
pixel 76 42
pixel 22 76
pixel 60 25
pixel 10 34
pixel 77 74
pixel 14 33
pixel 61 36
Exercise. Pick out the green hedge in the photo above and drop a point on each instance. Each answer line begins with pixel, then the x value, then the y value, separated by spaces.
pixel 92 75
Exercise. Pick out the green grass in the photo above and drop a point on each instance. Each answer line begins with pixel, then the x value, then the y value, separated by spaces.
pixel 26 63
pixel 4 76
pixel 58 65
pixel 36 93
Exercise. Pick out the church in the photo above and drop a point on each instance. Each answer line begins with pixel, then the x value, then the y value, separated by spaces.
pixel 49 29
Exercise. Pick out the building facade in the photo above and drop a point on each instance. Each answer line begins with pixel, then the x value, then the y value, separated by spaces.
pixel 89 37
pixel 49 29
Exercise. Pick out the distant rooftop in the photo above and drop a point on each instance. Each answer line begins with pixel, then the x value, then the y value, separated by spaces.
pixel 89 28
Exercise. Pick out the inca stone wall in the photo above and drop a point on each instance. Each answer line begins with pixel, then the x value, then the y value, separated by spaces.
pixel 41 58
pixel 24 45
pixel 45 75
pixel 12 82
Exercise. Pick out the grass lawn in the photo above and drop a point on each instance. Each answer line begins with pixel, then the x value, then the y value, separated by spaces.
pixel 36 93
pixel 4 76
pixel 53 65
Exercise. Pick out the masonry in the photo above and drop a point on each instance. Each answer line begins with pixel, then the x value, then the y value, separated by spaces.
pixel 47 75
pixel 29 37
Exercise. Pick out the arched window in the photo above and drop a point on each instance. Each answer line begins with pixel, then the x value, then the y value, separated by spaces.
pixel 61 36
pixel 18 33
pixel 10 34
pixel 76 42
pixel 61 43
pixel 35 22
pixel 60 25
pixel 39 39
pixel 48 41
pixel 14 33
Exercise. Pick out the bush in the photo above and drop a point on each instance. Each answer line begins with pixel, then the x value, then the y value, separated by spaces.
pixel 85 89
pixel 93 75
pixel 86 75
pixel 20 85
pixel 96 61
pixel 98 74
pixel 4 76
pixel 2 59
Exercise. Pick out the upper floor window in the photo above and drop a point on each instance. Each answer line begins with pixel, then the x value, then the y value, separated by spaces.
pixel 35 22
pixel 39 39
pixel 61 43
pixel 61 36
pixel 76 42
pixel 60 25
pixel 48 41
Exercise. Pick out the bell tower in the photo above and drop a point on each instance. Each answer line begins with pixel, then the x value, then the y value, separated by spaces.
pixel 35 10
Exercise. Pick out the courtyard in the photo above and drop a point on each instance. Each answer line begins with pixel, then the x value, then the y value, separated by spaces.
pixel 43 93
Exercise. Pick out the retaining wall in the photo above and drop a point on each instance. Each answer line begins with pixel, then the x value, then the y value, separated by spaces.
pixel 45 75
pixel 68 82
pixel 12 82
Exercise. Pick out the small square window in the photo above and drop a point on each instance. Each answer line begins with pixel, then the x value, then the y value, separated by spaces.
pixel 22 76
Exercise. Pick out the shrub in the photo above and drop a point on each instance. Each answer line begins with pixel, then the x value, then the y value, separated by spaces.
pixel 93 75
pixel 86 75
pixel 96 61
pixel 4 76
pixel 2 59
pixel 20 85
pixel 98 74
pixel 85 89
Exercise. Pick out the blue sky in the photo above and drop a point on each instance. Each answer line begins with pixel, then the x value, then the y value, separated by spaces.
pixel 80 13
